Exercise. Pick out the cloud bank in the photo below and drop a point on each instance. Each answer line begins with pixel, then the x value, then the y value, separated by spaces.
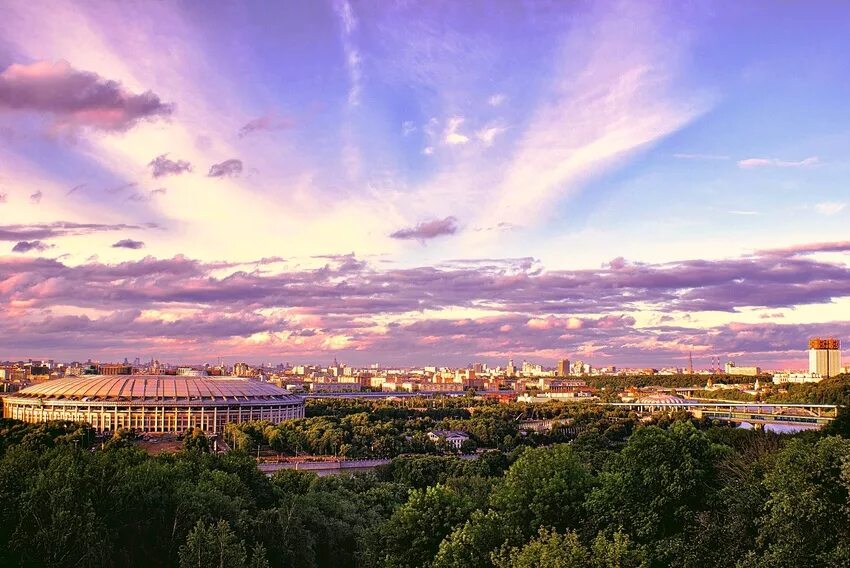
pixel 514 307
pixel 61 229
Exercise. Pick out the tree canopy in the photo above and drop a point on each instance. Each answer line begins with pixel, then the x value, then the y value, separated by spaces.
pixel 617 493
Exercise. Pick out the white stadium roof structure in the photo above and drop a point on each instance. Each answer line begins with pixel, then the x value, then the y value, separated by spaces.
pixel 153 403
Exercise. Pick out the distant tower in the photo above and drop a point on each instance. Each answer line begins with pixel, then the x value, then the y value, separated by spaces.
pixel 825 356
pixel 691 362
pixel 563 367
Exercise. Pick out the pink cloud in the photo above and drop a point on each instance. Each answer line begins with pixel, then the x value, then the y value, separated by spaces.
pixel 76 98
pixel 352 307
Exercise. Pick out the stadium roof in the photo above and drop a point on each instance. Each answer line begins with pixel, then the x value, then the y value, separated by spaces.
pixel 665 400
pixel 154 387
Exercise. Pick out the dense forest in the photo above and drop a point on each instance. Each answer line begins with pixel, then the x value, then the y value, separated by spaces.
pixel 355 429
pixel 621 493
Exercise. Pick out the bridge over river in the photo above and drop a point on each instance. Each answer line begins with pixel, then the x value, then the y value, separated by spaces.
pixel 798 415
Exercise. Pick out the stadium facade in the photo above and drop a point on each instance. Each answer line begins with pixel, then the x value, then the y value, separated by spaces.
pixel 153 403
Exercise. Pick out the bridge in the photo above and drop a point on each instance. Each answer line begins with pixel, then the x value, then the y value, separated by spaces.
pixel 810 415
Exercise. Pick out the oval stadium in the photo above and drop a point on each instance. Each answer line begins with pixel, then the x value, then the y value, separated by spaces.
pixel 153 403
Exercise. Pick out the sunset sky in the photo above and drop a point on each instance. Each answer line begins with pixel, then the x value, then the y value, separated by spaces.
pixel 424 182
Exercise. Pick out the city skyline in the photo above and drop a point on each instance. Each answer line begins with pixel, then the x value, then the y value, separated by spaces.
pixel 625 183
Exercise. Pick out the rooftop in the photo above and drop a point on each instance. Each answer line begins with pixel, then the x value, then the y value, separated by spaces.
pixel 154 387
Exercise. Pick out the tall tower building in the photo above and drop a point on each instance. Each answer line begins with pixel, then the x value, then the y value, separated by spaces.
pixel 825 357
pixel 563 367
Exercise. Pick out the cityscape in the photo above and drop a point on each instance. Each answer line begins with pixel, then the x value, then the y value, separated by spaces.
pixel 441 284
pixel 514 378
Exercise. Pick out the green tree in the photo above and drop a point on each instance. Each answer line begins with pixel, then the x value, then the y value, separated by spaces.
pixel 413 534
pixel 472 544
pixel 656 483
pixel 549 549
pixel 121 438
pixel 212 545
pixel 807 519
pixel 618 552
pixel 841 425
pixel 544 487
pixel 554 550
pixel 195 440
pixel 259 558
pixel 59 524
pixel 421 471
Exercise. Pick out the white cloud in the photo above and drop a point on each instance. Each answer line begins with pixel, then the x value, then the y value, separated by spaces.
pixel 488 134
pixel 407 128
pixel 751 163
pixel 451 135
pixel 830 207
pixel 352 54
pixel 616 93
pixel 346 16
pixel 428 150
pixel 75 32
pixel 496 100
pixel 353 59
pixel 744 212
pixel 687 156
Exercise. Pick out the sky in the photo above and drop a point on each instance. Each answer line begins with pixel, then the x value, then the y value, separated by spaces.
pixel 623 183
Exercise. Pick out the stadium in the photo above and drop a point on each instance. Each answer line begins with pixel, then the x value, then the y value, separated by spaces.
pixel 153 403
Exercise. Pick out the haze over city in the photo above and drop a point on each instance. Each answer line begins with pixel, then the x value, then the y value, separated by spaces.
pixel 625 184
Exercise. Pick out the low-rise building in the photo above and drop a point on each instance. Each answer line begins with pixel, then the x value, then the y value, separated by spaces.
pixel 111 369
pixel 443 387
pixel 334 387
pixel 572 395
pixel 783 378
pixel 454 438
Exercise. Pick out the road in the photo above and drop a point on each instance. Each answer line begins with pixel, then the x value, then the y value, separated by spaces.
pixel 323 468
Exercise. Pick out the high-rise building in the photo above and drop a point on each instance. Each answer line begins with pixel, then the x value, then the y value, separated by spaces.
pixel 530 369
pixel 825 357
pixel 511 370
pixel 242 370
pixel 563 367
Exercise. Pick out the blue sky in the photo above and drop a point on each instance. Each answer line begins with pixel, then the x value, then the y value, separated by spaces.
pixel 374 141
